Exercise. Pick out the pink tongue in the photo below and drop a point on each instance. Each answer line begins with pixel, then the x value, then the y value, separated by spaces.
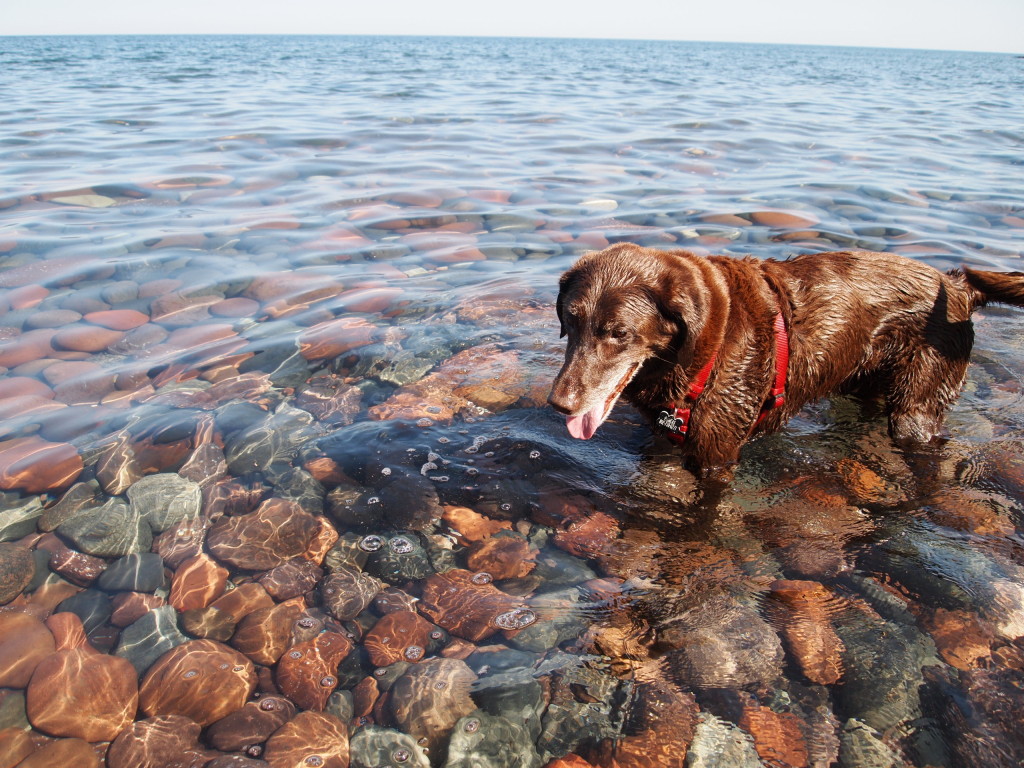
pixel 583 427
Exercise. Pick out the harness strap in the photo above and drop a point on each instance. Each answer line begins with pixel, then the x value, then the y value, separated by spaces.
pixel 676 420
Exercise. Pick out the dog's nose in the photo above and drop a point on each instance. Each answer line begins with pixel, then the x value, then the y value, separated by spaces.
pixel 560 402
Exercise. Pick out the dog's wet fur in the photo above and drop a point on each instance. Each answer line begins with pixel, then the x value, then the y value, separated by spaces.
pixel 641 323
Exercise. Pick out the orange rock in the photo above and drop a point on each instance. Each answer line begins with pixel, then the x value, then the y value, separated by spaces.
pixel 129 607
pixel 570 761
pixel 807 629
pixel 310 739
pixel 469 606
pixel 264 634
pixel 322 542
pixel 336 337
pixel 29 346
pixel 781 219
pixel 243 600
pixel 118 319
pixel 83 337
pixel 238 306
pixel 961 637
pixel 587 535
pixel 34 465
pixel 202 680
pixel 197 582
pixel 20 386
pixel 777 736
pixel 24 643
pixel 399 636
pixel 863 482
pixel 15 746
pixel 307 673
pixel 470 526
pixel 503 557
pixel 78 692
pixel 63 752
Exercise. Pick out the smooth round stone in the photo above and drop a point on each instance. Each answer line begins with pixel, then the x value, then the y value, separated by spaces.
pixel 83 694
pixel 264 634
pixel 76 752
pixel 276 532
pixel 431 697
pixel 347 592
pixel 307 672
pixel 86 338
pixel 76 498
pixel 208 624
pixel 19 516
pixel 120 292
pixel 34 465
pixel 91 606
pixel 373 746
pixel 19 386
pixel 202 679
pixel 156 742
pixel 197 582
pixel 483 739
pixel 309 739
pixel 118 319
pixel 252 724
pixel 238 306
pixel 137 572
pixel 29 346
pixel 15 746
pixel 112 530
pixel 52 318
pixel 24 643
pixel 164 500
pixel 150 637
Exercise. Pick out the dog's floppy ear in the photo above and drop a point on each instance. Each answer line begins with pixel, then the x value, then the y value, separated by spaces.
pixel 563 285
pixel 676 301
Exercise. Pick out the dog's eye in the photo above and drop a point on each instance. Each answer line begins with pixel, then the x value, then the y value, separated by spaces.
pixel 619 334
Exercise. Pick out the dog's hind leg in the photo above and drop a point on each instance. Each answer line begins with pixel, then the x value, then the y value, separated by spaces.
pixel 922 388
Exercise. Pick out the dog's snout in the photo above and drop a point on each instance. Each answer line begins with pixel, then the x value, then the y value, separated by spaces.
pixel 558 403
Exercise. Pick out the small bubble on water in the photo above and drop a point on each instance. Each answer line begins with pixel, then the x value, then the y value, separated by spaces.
pixel 401 755
pixel 413 653
pixel 481 578
pixel 190 674
pixel 440 478
pixel 401 545
pixel 328 681
pixel 534 454
pixel 371 543
pixel 296 654
pixel 489 454
pixel 270 705
pixel 434 409
pixel 373 500
pixel 517 618
pixel 307 622
pixel 506 507
pixel 424 422
pixel 314 760
pixel 472 471
pixel 471 726
pixel 386 471
pixel 443 440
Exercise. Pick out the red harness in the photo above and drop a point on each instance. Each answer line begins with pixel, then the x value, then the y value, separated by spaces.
pixel 676 420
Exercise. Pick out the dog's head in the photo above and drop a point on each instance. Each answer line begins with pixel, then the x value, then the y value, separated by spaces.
pixel 623 309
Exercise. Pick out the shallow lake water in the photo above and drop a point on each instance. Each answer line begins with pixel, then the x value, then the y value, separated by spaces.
pixel 279 483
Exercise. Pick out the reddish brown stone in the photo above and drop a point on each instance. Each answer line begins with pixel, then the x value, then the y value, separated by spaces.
pixel 34 465
pixel 307 672
pixel 117 467
pixel 197 582
pixel 252 724
pixel 470 526
pixel 399 636
pixel 264 634
pixel 781 219
pixel 330 400
pixel 236 307
pixel 276 532
pixel 181 542
pixel 961 637
pixel 777 736
pixel 587 535
pixel 202 680
pixel 21 386
pixel 336 337
pixel 129 607
pixel 63 752
pixel 174 310
pixel 310 739
pixel 243 600
pixel 807 629
pixel 292 579
pixel 29 346
pixel 394 600
pixel 429 698
pixel 83 337
pixel 167 741
pixel 347 592
pixel 665 721
pixel 15 746
pixel 471 607
pixel 503 557
pixel 118 319
pixel 24 643
pixel 78 692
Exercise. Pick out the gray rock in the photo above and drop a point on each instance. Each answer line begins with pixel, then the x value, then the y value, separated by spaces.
pixel 91 606
pixel 722 644
pixel 165 499
pixel 301 487
pixel 111 530
pixel 373 746
pixel 562 621
pixel 480 740
pixel 18 515
pixel 17 569
pixel 140 572
pixel 149 638
pixel 718 744
pixel 861 746
pixel 515 695
pixel 76 498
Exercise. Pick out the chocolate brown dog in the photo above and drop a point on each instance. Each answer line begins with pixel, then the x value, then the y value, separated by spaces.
pixel 717 349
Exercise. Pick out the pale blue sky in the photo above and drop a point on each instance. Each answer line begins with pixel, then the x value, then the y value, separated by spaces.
pixel 976 25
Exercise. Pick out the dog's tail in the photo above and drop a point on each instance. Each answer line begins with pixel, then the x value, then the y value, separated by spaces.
pixel 1000 287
